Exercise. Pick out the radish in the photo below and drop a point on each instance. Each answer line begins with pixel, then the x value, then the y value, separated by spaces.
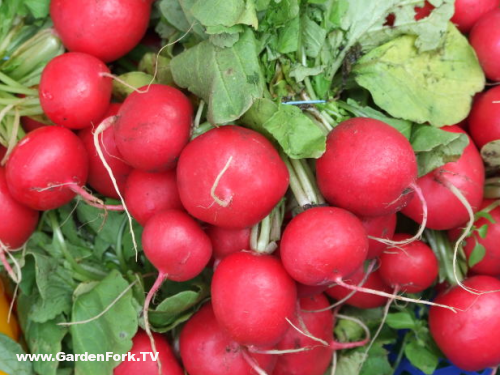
pixel 107 29
pixel 30 124
pixel 322 244
pixel 485 39
pixel 440 188
pixel 468 12
pixel 231 177
pixel 143 363
pixel 359 299
pixel 98 177
pixel 253 297
pixel 147 194
pixel 411 268
pixel 368 168
pixel 319 325
pixel 484 118
pixel 74 91
pixel 3 151
pixel 207 350
pixel 227 241
pixel 378 227
pixel 153 126
pixel 469 338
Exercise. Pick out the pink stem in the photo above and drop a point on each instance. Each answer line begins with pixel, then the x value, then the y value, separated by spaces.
pixel 6 265
pixel 349 345
pixel 93 201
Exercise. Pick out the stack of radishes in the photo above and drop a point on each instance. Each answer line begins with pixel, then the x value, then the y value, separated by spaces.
pixel 203 199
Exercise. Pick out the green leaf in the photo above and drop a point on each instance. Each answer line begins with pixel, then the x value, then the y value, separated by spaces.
pixel 401 320
pixel 313 36
pixel 227 13
pixel 228 79
pixel 435 147
pixel 38 8
pixel 490 153
pixel 134 79
pixel 477 255
pixel 435 87
pixel 300 72
pixel 289 37
pixel 377 361
pixel 8 359
pixel 111 332
pixel 482 231
pixel 485 215
pixel 421 357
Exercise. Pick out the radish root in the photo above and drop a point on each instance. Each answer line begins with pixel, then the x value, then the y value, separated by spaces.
pixel 5 250
pixel 252 363
pixel 220 202
pixel 350 345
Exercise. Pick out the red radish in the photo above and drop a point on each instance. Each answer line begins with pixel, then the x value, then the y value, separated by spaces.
pixel 153 127
pixel 30 124
pixel 231 177
pixel 323 243
pixel 490 264
pixel 98 175
pixel 252 297
pixel 445 211
pixel 379 227
pixel 147 194
pixel 319 325
pixel 359 299
pixel 207 350
pixel 368 168
pixel 17 222
pixel 484 118
pixel 468 12
pixel 411 268
pixel 107 29
pixel 3 151
pixel 46 167
pixel 469 338
pixel 485 39
pixel 143 364
pixel 73 91
pixel 304 290
pixel 227 241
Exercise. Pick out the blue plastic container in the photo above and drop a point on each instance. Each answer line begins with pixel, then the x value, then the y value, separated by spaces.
pixel 445 368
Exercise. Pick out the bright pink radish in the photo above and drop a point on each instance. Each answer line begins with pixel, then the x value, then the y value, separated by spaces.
pixel 147 194
pixel 30 124
pixel 231 177
pixel 490 264
pixel 73 91
pixel 468 12
pixel 368 168
pixel 379 227
pixel 98 175
pixel 45 166
pixel 319 325
pixel 207 350
pixel 359 299
pixel 17 222
pixel 107 29
pixel 153 127
pixel 143 364
pixel 304 290
pixel 485 39
pixel 323 243
pixel 252 296
pixel 410 268
pixel 469 338
pixel 227 241
pixel 445 211
pixel 484 118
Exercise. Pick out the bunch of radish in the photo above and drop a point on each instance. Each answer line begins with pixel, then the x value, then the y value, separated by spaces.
pixel 217 200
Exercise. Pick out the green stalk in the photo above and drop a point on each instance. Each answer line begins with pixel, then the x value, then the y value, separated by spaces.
pixel 119 245
pixel 265 234
pixel 302 182
pixel 9 81
pixel 439 242
pixel 18 90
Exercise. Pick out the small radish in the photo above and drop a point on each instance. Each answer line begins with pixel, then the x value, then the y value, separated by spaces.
pixel 98 177
pixel 484 118
pixel 379 227
pixel 30 124
pixel 410 268
pixel 144 364
pixel 253 296
pixel 469 338
pixel 319 325
pixel 227 241
pixel 359 299
pixel 207 350
pixel 231 177
pixel 147 194
pixel 468 12
pixel 368 168
pixel 74 91
pixel 485 39
pixel 107 29
pixel 153 126
pixel 323 243
pixel 440 189
pixel 46 167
